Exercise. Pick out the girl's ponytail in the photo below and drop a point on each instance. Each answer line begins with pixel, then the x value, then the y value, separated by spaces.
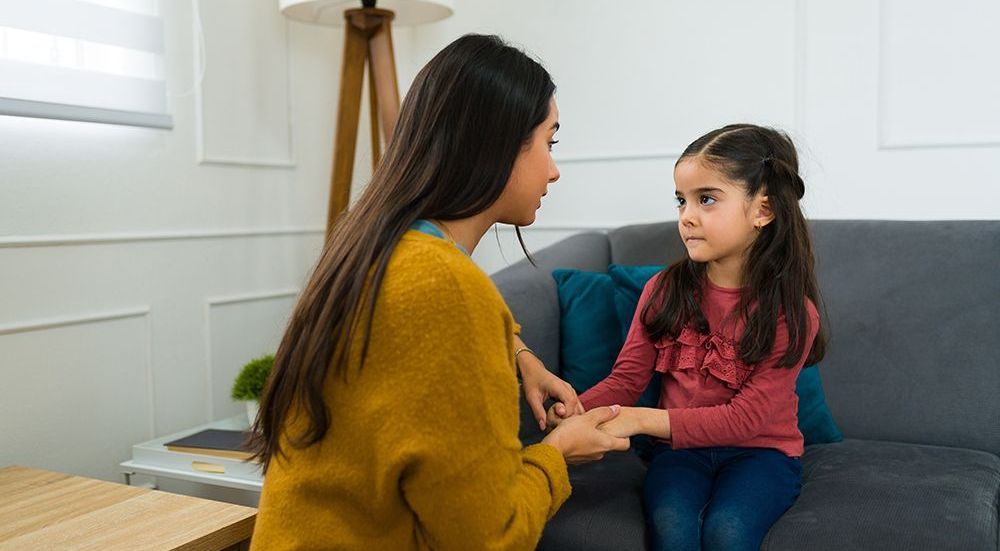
pixel 777 171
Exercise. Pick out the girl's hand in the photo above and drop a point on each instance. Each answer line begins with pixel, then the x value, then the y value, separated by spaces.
pixel 631 421
pixel 539 385
pixel 579 439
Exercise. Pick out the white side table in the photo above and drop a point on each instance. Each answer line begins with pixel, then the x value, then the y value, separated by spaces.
pixel 154 459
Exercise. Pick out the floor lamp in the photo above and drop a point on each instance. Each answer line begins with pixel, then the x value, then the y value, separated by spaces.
pixel 367 42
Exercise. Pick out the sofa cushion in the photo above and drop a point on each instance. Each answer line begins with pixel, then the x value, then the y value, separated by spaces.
pixel 604 511
pixel 864 494
pixel 856 494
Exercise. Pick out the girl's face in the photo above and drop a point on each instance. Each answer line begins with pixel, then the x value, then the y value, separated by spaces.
pixel 533 171
pixel 716 219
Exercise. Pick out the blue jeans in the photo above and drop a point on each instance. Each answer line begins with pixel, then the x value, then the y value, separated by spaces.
pixel 717 498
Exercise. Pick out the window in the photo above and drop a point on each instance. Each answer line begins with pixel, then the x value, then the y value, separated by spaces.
pixel 84 60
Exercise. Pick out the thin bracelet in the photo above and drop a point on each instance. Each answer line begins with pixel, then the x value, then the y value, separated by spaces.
pixel 524 349
pixel 517 371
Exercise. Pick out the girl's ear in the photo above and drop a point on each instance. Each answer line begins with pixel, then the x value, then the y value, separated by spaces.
pixel 764 215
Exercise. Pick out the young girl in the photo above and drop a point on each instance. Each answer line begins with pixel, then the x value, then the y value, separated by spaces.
pixel 730 327
pixel 391 418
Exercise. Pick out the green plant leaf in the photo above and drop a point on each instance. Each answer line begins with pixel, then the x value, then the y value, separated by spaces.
pixel 249 384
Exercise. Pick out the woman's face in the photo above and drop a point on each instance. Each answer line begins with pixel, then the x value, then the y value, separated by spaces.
pixel 533 171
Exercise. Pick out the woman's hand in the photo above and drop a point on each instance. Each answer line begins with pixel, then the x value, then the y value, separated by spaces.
pixel 539 385
pixel 579 438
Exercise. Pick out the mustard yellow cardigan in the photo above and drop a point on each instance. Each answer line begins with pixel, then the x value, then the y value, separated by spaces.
pixel 422 451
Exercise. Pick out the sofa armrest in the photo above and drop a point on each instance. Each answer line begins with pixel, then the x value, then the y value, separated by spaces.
pixel 531 296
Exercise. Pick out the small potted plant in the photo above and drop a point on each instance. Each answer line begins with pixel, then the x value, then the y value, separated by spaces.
pixel 249 384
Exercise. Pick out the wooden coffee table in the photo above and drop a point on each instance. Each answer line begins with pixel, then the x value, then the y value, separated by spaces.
pixel 49 510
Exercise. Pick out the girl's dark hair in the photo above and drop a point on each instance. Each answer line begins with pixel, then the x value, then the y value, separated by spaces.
pixel 463 122
pixel 778 274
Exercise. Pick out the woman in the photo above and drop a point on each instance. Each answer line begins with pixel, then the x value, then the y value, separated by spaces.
pixel 390 421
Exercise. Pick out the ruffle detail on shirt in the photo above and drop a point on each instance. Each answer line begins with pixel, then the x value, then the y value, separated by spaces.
pixel 720 358
pixel 722 361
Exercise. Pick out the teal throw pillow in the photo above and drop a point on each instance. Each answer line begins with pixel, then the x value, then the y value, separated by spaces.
pixel 815 419
pixel 589 329
pixel 629 282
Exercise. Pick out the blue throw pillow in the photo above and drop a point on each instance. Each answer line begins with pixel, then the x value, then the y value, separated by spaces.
pixel 629 282
pixel 589 329
pixel 593 304
pixel 815 419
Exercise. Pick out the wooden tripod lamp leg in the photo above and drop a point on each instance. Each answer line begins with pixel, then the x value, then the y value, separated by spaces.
pixel 368 37
pixel 383 68
pixel 373 117
pixel 348 113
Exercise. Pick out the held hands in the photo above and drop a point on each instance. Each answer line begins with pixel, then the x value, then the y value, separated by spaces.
pixel 580 436
pixel 580 440
pixel 557 413
pixel 630 421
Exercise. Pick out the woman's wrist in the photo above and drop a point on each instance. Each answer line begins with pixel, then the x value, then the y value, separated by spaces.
pixel 526 361
pixel 521 355
pixel 553 438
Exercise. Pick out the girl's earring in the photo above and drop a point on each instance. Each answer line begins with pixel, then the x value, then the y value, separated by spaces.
pixel 756 227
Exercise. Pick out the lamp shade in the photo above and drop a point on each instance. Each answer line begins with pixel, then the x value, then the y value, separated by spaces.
pixel 331 12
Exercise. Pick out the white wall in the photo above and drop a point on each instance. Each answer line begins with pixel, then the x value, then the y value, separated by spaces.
pixel 892 103
pixel 140 268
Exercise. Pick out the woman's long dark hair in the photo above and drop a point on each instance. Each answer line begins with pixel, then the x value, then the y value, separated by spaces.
pixel 467 115
pixel 778 274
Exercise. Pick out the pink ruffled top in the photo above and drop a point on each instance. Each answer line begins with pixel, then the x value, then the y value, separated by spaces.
pixel 713 398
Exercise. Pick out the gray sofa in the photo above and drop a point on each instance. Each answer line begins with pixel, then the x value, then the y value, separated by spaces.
pixel 912 376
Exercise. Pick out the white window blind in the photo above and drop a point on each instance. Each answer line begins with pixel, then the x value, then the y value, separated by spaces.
pixel 84 60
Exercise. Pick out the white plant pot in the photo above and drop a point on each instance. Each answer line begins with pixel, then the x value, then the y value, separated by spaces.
pixel 252 406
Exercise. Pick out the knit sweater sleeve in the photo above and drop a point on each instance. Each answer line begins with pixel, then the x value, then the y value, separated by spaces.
pixel 467 479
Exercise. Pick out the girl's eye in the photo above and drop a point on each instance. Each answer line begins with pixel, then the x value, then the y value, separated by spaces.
pixel 551 143
pixel 706 200
pixel 680 201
